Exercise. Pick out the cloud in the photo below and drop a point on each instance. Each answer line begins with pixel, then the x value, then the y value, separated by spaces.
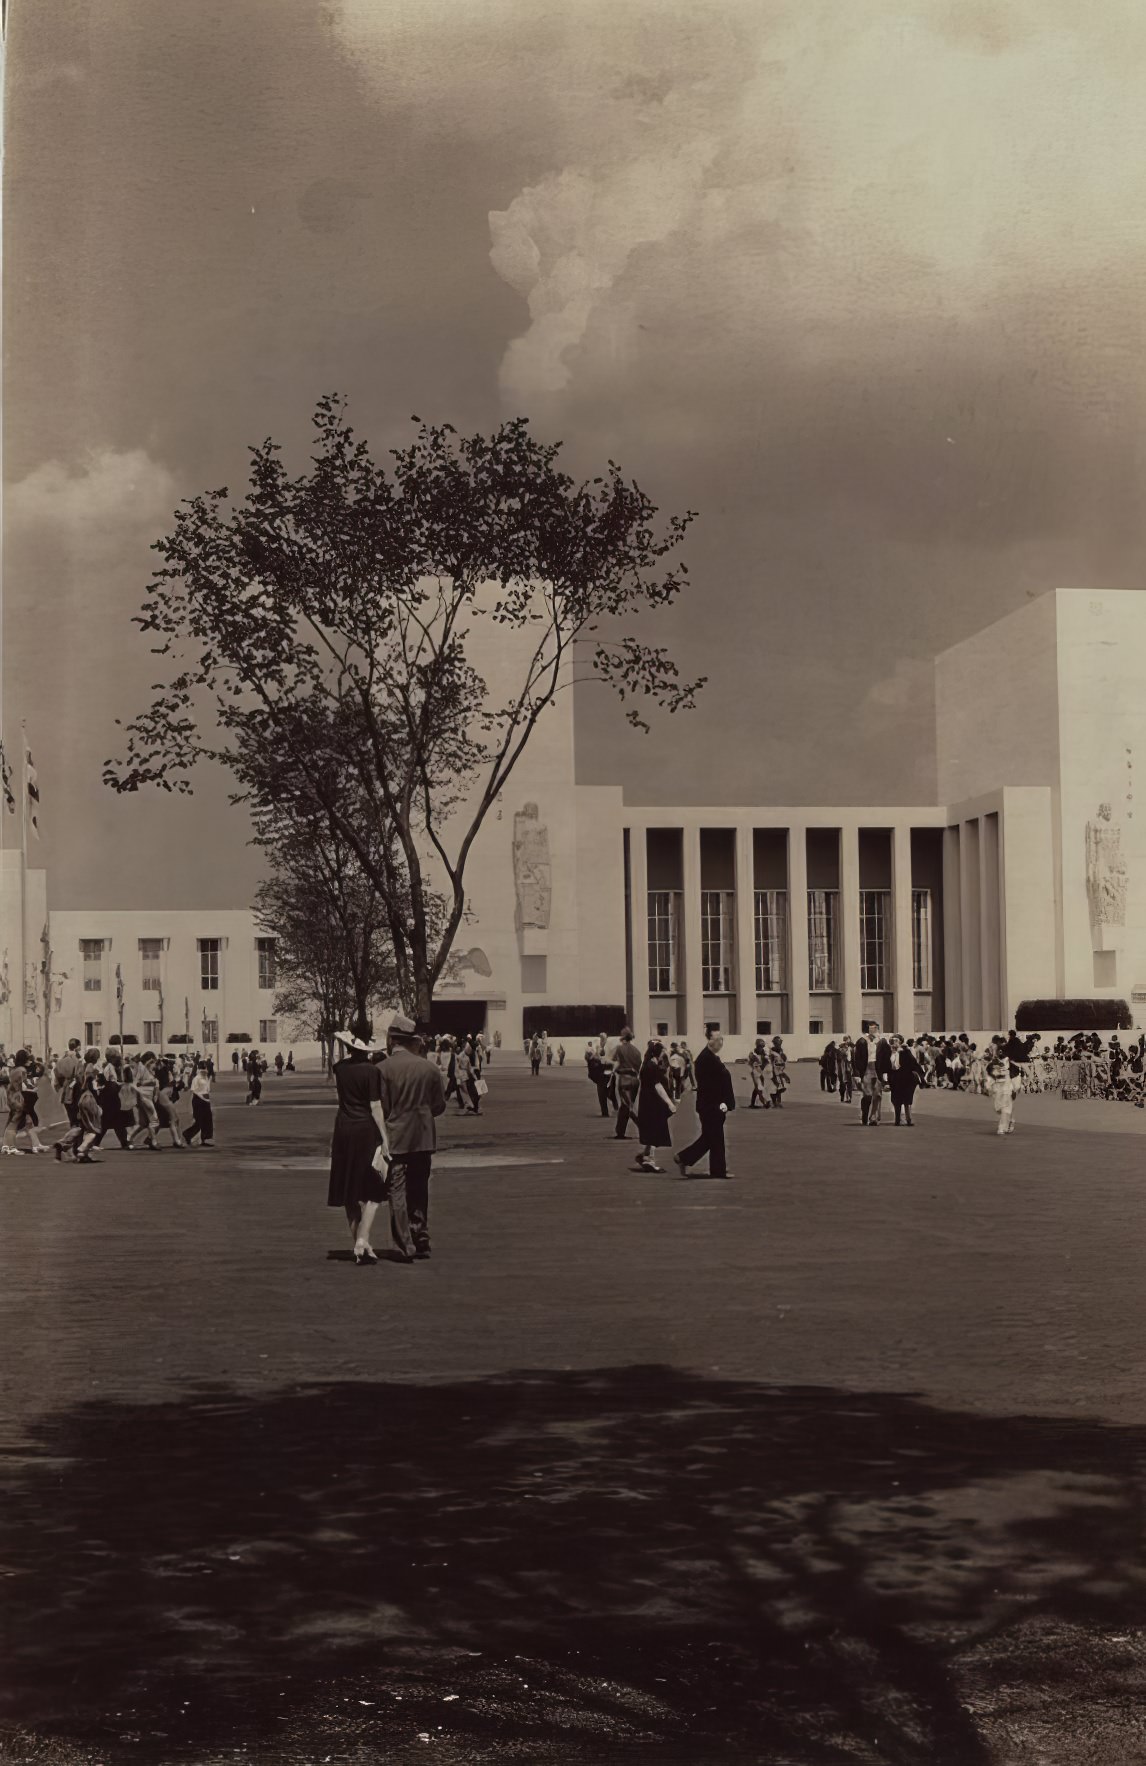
pixel 909 687
pixel 112 498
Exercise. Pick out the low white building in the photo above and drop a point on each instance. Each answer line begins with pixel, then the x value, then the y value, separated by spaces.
pixel 1024 879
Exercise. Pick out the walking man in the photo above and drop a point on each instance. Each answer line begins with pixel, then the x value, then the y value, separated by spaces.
pixel 67 1078
pixel 627 1068
pixel 871 1060
pixel 714 1099
pixel 413 1097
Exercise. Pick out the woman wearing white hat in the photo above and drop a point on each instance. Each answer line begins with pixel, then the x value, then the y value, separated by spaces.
pixel 356 1184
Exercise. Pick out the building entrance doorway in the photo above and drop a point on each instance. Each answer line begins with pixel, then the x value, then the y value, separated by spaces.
pixel 457 1017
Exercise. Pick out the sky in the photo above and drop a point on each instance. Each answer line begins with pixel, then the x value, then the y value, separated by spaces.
pixel 861 283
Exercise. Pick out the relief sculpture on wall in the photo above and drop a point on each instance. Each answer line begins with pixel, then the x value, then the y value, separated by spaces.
pixel 532 869
pixel 1105 870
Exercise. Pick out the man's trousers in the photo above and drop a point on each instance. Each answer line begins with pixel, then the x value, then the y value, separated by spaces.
pixel 710 1141
pixel 408 1193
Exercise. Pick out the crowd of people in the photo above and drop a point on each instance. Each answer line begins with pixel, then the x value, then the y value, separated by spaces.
pixel 135 1100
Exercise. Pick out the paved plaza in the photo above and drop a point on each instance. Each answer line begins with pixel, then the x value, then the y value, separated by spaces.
pixel 841 1461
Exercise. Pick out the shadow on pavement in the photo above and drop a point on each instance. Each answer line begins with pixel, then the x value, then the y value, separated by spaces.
pixel 567 1566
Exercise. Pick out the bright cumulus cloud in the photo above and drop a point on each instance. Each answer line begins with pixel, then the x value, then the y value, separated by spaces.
pixel 783 165
pixel 106 496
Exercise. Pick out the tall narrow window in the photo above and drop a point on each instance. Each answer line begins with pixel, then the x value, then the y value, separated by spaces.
pixel 266 950
pixel 921 939
pixel 209 965
pixel 150 951
pixel 663 941
pixel 873 939
pixel 91 950
pixel 268 1030
pixel 152 1030
pixel 771 939
pixel 823 940
pixel 93 1033
pixel 210 1030
pixel 716 940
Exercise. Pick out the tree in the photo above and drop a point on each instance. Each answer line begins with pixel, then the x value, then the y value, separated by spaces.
pixel 317 640
pixel 335 965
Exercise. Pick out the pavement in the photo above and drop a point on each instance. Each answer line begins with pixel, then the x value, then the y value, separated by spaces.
pixel 841 1461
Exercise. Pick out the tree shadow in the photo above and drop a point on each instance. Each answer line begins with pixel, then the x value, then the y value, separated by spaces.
pixel 564 1566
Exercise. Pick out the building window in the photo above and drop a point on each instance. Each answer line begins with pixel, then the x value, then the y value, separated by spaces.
pixel 921 939
pixel 664 941
pixel 91 950
pixel 873 939
pixel 150 951
pixel 823 940
pixel 815 1027
pixel 152 1030
pixel 93 1033
pixel 662 1027
pixel 210 1030
pixel 771 939
pixel 268 1029
pixel 763 1026
pixel 716 940
pixel 209 965
pixel 266 949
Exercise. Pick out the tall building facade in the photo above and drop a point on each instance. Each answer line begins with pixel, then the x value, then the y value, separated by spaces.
pixel 1024 879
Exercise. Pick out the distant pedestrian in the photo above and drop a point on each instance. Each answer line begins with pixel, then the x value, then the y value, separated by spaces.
pixel 22 1095
pixel 548 1053
pixel 844 1069
pixel 715 1097
pixel 904 1081
pixel 778 1066
pixel 279 1063
pixel 165 1100
pixel 757 1061
pixel 290 1061
pixel 627 1071
pixel 202 1116
pixel 235 1059
pixel 535 1054
pixel 599 1076
pixel 828 1068
pixel 254 1078
pixel 67 1078
pixel 81 1137
pixel 561 1054
pixel 655 1108
pixel 146 1092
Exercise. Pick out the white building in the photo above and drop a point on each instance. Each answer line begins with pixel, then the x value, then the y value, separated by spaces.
pixel 1024 879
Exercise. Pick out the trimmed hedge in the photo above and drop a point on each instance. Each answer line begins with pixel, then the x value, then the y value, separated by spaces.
pixel 571 1021
pixel 1074 1015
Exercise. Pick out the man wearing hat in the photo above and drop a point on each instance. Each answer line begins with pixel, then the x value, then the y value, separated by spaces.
pixel 413 1097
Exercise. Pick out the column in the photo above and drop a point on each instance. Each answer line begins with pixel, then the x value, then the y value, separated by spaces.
pixel 691 1024
pixel 952 933
pixel 903 967
pixel 989 922
pixel 797 976
pixel 970 967
pixel 745 932
pixel 639 931
pixel 850 975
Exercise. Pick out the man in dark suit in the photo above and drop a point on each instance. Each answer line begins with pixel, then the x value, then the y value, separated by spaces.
pixel 871 1064
pixel 413 1097
pixel 714 1099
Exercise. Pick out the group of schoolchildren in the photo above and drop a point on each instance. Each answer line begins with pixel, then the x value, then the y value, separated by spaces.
pixel 132 1100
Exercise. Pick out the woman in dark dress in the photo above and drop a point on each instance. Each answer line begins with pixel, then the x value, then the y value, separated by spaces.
pixel 654 1108
pixel 359 1130
pixel 904 1080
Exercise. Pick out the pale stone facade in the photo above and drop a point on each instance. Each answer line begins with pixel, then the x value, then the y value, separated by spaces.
pixel 1026 878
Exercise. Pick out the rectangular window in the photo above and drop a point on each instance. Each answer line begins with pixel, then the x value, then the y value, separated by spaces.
pixel 874 905
pixel 93 1034
pixel 150 951
pixel 266 950
pixel 664 940
pixel 152 1030
pixel 763 1026
pixel 921 939
pixel 815 1027
pixel 716 910
pixel 209 965
pixel 210 1030
pixel 268 1029
pixel 771 939
pixel 823 940
pixel 91 950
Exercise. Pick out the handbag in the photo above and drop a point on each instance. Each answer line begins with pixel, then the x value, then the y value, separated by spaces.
pixel 481 1088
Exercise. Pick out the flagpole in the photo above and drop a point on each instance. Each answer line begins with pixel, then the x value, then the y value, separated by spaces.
pixel 24 866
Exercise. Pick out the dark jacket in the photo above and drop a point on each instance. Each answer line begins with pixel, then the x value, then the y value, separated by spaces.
pixel 905 1078
pixel 883 1059
pixel 713 1084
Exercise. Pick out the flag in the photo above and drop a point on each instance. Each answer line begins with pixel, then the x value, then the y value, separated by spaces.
pixel 119 984
pixel 32 791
